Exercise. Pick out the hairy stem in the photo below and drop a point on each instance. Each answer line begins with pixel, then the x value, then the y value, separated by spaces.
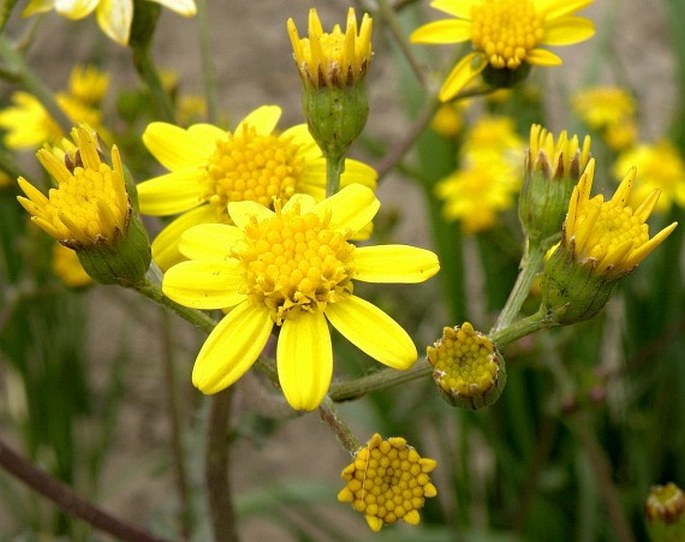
pixel 338 426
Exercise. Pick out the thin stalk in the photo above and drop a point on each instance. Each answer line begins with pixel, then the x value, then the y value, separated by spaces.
pixel 521 328
pixel 142 59
pixel 338 426
pixel 173 407
pixel 530 264
pixel 68 500
pixel 208 66
pixel 335 165
pixel 20 71
pixel 217 461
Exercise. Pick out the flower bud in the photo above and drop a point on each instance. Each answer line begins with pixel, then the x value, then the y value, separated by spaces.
pixel 665 513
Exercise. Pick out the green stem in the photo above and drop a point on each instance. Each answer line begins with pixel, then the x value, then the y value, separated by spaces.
pixel 338 426
pixel 530 265
pixel 208 66
pixel 16 65
pixel 521 328
pixel 142 59
pixel 335 165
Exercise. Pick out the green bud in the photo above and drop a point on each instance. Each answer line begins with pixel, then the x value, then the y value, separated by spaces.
pixel 665 513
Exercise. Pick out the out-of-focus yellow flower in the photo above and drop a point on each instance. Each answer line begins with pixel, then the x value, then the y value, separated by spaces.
pixel 388 481
pixel 114 16
pixel 661 167
pixel 293 267
pixel 504 34
pixel 610 111
pixel 489 177
pixel 67 266
pixel 28 123
pixel 210 167
pixel 5 179
pixel 448 121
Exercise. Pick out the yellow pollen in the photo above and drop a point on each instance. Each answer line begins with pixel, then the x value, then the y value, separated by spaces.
pixel 506 31
pixel 252 167
pixel 295 262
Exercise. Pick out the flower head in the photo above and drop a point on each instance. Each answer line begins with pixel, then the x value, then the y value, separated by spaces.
pixel 388 481
pixel 293 267
pixel 210 167
pixel 28 123
pixel 334 59
pixel 601 242
pixel 113 16
pixel 609 110
pixel 504 34
pixel 661 168
pixel 665 513
pixel 467 367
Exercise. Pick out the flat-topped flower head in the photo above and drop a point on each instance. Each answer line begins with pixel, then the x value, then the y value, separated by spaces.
pixel 661 167
pixel 665 513
pixel 210 167
pixel 113 16
pixel 601 242
pixel 467 367
pixel 504 34
pixel 336 58
pixel 388 481
pixel 293 267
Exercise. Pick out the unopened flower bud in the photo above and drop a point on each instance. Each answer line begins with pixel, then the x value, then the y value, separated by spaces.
pixel 665 513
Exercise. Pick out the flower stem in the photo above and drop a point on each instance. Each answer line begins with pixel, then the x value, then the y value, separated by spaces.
pixel 67 500
pixel 142 59
pixel 521 328
pixel 17 67
pixel 335 165
pixel 208 67
pixel 338 426
pixel 217 459
pixel 530 264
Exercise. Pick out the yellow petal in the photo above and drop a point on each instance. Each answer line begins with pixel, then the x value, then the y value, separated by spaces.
pixel 456 8
pixel 461 75
pixel 263 119
pixel 640 253
pixel 351 209
pixel 553 9
pixel 231 348
pixel 75 9
pixel 358 172
pixel 165 251
pixel 444 31
pixel 567 31
pixel 242 212
pixel 37 6
pixel 299 135
pixel 304 357
pixel 172 193
pixel 114 17
pixel 209 241
pixel 207 133
pixel 204 284
pixel 371 330
pixel 541 57
pixel 174 147
pixel 394 264
pixel 304 202
pixel 186 8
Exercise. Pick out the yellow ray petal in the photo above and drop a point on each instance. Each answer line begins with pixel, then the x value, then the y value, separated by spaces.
pixel 242 212
pixel 174 147
pixel 37 6
pixel 351 209
pixel 461 75
pixel 553 9
pixel 542 57
pixel 304 202
pixel 371 330
pixel 209 241
pixel 186 8
pixel 444 31
pixel 115 17
pixel 640 253
pixel 358 172
pixel 204 284
pixel 304 357
pixel 232 348
pixel 75 9
pixel 567 31
pixel 456 8
pixel 208 134
pixel 622 194
pixel 172 193
pixel 299 135
pixel 394 264
pixel 263 119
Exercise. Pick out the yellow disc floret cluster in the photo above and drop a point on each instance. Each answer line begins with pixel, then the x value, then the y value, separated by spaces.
pixel 250 166
pixel 295 260
pixel 388 481
pixel 506 31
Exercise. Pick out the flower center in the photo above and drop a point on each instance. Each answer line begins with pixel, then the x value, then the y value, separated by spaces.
pixel 295 262
pixel 87 203
pixel 614 226
pixel 506 31
pixel 252 167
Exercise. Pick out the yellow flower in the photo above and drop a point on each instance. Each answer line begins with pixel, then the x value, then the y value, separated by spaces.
pixel 609 110
pixel 113 16
pixel 66 265
pixel 661 167
pixel 388 481
pixel 491 159
pixel 293 267
pixel 211 167
pixel 504 34
pixel 28 123
pixel 332 59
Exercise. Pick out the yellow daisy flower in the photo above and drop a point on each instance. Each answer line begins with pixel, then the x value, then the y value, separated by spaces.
pixel 609 110
pixel 113 16
pixel 661 168
pixel 293 267
pixel 504 34
pixel 211 167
